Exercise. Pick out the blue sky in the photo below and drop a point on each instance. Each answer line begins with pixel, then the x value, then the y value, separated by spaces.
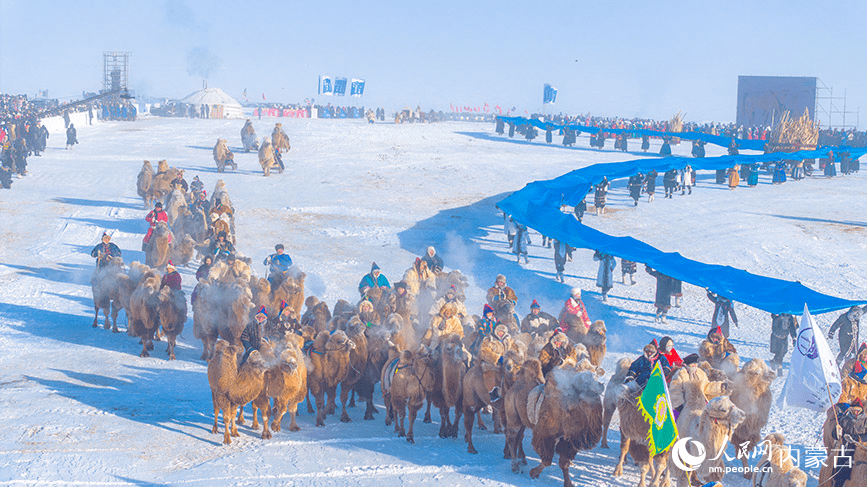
pixel 630 58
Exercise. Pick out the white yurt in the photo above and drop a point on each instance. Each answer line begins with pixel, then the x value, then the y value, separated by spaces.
pixel 219 103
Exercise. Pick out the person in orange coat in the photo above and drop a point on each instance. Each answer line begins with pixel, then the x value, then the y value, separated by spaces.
pixel 153 217
pixel 574 306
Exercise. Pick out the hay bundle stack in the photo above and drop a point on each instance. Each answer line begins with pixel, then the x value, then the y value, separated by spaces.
pixel 676 125
pixel 794 134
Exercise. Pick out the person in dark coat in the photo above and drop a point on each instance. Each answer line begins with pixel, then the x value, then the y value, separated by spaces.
pixel 501 126
pixel 251 337
pixel 172 278
pixel 779 173
pixel 561 250
pixel 830 166
pixel 548 135
pixel 568 137
pixel 753 178
pixel 642 367
pixel 645 142
pixel 733 148
pixel 783 327
pixel 847 326
pixel 627 267
pixel 511 130
pixel 665 150
pixel 433 260
pixel 601 195
pixel 19 156
pixel 664 286
pixel 201 273
pixel 650 184
pixel 221 248
pixel 746 172
pixel 669 182
pixel 624 142
pixel 71 136
pixel 580 209
pixel 723 312
pixel 105 251
pixel 635 184
pixel 676 291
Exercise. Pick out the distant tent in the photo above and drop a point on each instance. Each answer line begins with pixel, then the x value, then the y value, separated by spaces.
pixel 220 104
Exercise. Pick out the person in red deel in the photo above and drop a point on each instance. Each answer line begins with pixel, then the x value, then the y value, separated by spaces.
pixel 172 278
pixel 666 347
pixel 154 217
pixel 574 306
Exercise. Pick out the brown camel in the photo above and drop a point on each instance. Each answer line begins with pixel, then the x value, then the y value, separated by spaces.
pixel 451 371
pixel 144 315
pixel 485 374
pixel 379 340
pixel 231 387
pixel 221 193
pixel 515 405
pixel 569 418
pixel 143 184
pixel 175 202
pixel 329 365
pixel 266 157
pixel 181 250
pixel 402 332
pixel 221 309
pixel 783 472
pixel 279 138
pixel 162 182
pixel 633 440
pixel 317 314
pixel 193 222
pixel 112 289
pixel 286 383
pixel 721 355
pixel 554 351
pixel 290 289
pixel 752 393
pixel 356 366
pixel 401 390
pixel 594 340
pixel 223 156
pixel 713 429
pixel 173 315
pixel 613 391
pixel 157 250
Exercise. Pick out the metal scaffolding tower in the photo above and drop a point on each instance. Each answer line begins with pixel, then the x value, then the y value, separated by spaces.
pixel 829 106
pixel 115 71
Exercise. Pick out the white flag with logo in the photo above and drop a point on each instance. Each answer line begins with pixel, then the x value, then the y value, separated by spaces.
pixel 813 378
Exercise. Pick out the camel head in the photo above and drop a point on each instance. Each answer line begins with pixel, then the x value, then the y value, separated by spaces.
pixel 722 408
pixel 531 371
pixel 288 362
pixel 340 341
pixel 308 333
pixel 758 374
pixel 311 302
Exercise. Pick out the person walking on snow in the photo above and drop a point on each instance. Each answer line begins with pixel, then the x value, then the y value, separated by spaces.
pixel 605 273
pixel 635 184
pixel 847 326
pixel 601 195
pixel 627 267
pixel 521 242
pixel 723 312
pixel 662 299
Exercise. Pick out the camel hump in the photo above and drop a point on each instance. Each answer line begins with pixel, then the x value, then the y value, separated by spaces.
pixel 534 403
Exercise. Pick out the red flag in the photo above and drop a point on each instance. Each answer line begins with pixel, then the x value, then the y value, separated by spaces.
pixel 263 96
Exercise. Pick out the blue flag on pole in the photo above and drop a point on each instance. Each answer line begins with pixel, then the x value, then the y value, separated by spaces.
pixel 356 87
pixel 340 86
pixel 550 94
pixel 326 85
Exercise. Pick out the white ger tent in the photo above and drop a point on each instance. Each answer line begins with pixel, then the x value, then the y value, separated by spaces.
pixel 220 104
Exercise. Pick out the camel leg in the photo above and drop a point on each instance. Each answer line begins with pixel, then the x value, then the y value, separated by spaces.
pixel 228 416
pixel 277 417
pixel 293 410
pixel 331 404
pixel 370 409
pixel 606 423
pixel 497 418
pixel 624 449
pixel 309 404
pixel 469 417
pixel 401 417
pixel 513 435
pixel 95 314
pixel 351 398
pixel 144 349
pixel 747 473
pixel 171 348
pixel 482 426
pixel 107 324
pixel 232 422
pixel 320 408
pixel 344 394
pixel 215 428
pixel 255 410
pixel 427 418
pixel 445 422
pixel 521 453
pixel 413 412
pixel 566 460
pixel 389 410
pixel 643 469
pixel 266 415
pixel 114 312
pixel 545 460
pixel 459 409
pixel 241 415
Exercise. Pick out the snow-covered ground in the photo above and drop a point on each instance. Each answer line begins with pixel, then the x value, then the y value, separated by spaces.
pixel 81 408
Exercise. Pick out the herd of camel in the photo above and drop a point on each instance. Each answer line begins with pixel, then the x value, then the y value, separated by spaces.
pixel 551 380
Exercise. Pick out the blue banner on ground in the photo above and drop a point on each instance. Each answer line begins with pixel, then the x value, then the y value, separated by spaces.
pixel 537 205
pixel 709 138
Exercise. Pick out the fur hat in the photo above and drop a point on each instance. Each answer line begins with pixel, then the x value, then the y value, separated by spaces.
pixel 279 247
pixel 576 292
pixel 158 205
pixel 487 309
pixel 714 331
pixel 500 278
pixel 262 311
pixel 535 305
pixel 222 234
pixel 651 347
pixel 431 250
pixel 501 331
pixel 170 266
pixel 690 359
pixel 105 234
pixel 400 285
pixel 230 258
pixel 374 267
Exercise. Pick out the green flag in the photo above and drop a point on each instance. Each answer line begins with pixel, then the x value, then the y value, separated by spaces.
pixel 655 406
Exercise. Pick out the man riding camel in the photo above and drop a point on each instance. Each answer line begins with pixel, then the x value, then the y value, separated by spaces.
pixel 373 279
pixel 279 264
pixel 153 218
pixel 105 251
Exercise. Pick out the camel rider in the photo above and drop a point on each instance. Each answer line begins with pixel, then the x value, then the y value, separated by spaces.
pixel 201 201
pixel 642 367
pixel 180 182
pixel 172 278
pixel 450 297
pixel 286 322
pixel 201 273
pixel 538 321
pixel 373 279
pixel 279 264
pixel 434 261
pixel 574 306
pixel 105 251
pixel 855 384
pixel 197 186
pixel 484 328
pixel 153 217
pixel 221 248
pixel 501 291
pixel 218 210
pixel 251 337
pixel 491 351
